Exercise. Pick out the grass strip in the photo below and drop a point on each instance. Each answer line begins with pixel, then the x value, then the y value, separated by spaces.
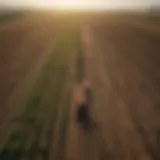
pixel 80 62
pixel 79 66
pixel 12 15
pixel 56 65
pixel 63 130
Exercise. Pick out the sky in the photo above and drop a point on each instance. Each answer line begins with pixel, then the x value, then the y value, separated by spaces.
pixel 80 4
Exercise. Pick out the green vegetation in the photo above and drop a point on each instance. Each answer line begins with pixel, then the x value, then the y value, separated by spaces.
pixel 80 63
pixel 33 130
pixel 8 16
pixel 63 129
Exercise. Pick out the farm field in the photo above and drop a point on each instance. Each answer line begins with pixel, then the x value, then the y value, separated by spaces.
pixel 122 64
pixel 34 68
pixel 45 57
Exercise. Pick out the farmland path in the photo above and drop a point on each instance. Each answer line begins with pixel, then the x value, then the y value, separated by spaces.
pixel 124 75
pixel 121 63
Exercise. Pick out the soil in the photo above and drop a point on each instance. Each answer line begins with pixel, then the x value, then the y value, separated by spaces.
pixel 24 44
pixel 122 64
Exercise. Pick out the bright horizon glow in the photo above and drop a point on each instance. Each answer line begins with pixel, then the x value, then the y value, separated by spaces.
pixel 78 4
pixel 93 4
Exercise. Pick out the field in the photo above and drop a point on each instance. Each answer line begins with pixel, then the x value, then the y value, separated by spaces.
pixel 44 59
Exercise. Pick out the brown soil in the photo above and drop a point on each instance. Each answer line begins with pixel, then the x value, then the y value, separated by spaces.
pixel 55 147
pixel 24 44
pixel 122 65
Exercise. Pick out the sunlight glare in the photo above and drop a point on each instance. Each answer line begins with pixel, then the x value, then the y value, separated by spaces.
pixel 88 4
pixel 70 4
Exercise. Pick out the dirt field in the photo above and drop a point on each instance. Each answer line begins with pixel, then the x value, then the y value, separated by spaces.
pixel 38 75
pixel 24 43
pixel 121 62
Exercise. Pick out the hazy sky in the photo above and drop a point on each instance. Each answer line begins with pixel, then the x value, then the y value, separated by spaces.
pixel 101 4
